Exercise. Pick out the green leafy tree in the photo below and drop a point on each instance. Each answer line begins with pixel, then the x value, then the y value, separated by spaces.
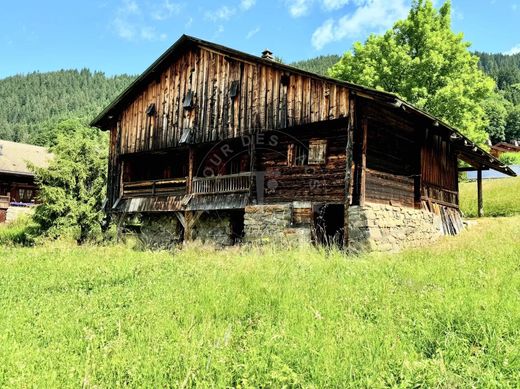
pixel 513 124
pixel 72 188
pixel 422 60
pixel 496 109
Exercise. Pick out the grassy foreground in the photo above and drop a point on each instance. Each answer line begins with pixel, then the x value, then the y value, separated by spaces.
pixel 501 197
pixel 442 316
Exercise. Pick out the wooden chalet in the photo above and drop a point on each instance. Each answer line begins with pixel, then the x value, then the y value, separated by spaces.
pixel 505 147
pixel 17 186
pixel 236 147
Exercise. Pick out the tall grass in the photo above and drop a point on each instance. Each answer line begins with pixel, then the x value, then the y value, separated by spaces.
pixel 109 316
pixel 501 197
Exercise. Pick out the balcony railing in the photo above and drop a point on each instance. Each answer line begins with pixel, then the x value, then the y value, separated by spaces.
pixel 232 183
pixel 166 187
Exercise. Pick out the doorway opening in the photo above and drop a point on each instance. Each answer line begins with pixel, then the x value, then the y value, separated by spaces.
pixel 329 222
pixel 237 225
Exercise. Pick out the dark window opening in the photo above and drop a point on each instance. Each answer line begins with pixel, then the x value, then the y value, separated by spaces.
pixel 297 154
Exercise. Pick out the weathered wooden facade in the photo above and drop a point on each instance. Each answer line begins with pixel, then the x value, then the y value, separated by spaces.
pixel 207 129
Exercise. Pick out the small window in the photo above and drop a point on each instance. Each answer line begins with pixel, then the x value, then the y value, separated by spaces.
pixel 297 154
pixel 317 151
pixel 187 103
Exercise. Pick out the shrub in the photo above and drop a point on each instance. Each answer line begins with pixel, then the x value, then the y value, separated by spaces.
pixel 510 158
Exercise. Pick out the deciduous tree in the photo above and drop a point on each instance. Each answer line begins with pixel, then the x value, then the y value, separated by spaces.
pixel 422 60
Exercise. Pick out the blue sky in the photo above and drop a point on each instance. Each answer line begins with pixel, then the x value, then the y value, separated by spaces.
pixel 125 36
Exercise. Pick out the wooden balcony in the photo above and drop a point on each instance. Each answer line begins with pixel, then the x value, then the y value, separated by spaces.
pixel 232 183
pixel 164 187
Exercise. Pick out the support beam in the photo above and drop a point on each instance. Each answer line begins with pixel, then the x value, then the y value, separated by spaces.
pixel 349 150
pixel 471 169
pixel 480 211
pixel 191 167
pixel 363 167
pixel 190 218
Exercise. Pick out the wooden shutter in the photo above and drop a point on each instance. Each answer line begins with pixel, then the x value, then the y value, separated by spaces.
pixel 317 151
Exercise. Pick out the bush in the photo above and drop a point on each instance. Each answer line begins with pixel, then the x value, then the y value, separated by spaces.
pixel 510 158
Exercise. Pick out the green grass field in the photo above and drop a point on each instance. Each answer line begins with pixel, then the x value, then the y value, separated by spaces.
pixel 501 197
pixel 445 316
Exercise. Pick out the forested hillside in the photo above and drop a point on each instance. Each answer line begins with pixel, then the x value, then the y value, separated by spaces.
pixel 31 103
pixel 318 65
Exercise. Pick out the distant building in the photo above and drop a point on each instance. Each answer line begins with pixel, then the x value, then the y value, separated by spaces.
pixel 505 147
pixel 17 186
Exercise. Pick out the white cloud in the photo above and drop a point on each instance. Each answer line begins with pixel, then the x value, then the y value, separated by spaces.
pixel 369 16
pixel 514 50
pixel 247 4
pixel 331 5
pixel 166 10
pixel 252 33
pixel 124 29
pixel 130 6
pixel 298 8
pixel 189 22
pixel 221 14
pixel 514 7
pixel 134 21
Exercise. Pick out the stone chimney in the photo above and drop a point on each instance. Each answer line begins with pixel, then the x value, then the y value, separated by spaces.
pixel 267 54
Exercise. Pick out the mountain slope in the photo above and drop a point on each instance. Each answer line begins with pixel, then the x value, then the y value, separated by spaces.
pixel 30 102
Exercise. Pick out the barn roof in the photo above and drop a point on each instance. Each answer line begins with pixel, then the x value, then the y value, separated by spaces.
pixel 468 151
pixel 14 157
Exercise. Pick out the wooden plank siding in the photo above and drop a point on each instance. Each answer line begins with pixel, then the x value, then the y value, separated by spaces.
pixel 267 99
pixel 324 182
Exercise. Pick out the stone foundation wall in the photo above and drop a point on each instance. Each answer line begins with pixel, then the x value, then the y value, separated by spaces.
pixel 273 224
pixel 376 227
pixel 162 231
pixel 214 227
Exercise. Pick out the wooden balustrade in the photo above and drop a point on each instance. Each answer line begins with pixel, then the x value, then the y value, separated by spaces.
pixel 231 183
pixel 165 187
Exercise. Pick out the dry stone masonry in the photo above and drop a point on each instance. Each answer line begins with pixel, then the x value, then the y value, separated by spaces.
pixel 273 224
pixel 376 227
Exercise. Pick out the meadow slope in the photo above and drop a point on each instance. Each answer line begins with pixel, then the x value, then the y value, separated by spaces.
pixel 501 197
pixel 447 315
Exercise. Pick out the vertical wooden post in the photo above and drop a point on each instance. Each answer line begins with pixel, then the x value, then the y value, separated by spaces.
pixel 480 211
pixel 188 224
pixel 191 168
pixel 349 150
pixel 252 168
pixel 363 167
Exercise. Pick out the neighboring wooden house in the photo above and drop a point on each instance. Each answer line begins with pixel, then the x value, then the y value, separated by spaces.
pixel 505 147
pixel 17 186
pixel 224 146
